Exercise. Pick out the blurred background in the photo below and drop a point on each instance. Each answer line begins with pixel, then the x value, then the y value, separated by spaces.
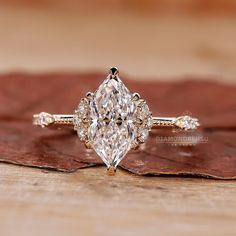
pixel 154 39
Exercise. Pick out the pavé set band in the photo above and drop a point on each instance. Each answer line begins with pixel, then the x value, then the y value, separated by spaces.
pixel 113 120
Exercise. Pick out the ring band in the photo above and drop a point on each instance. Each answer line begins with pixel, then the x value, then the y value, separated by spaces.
pixel 112 120
pixel 45 119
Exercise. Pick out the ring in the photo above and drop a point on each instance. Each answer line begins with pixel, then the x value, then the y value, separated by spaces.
pixel 112 120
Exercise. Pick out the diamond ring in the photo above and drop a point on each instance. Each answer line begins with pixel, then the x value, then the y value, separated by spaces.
pixel 112 120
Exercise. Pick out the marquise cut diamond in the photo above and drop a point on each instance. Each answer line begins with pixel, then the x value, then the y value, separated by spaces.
pixel 43 119
pixel 112 120
pixel 186 122
pixel 112 130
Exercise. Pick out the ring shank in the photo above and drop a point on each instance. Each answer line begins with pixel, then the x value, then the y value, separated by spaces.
pixel 44 119
pixel 163 121
pixel 63 119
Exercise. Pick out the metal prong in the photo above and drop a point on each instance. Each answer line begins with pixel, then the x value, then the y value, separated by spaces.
pixel 136 96
pixel 87 144
pixel 89 95
pixel 111 170
pixel 114 71
pixel 141 101
pixel 135 145
pixel 85 120
pixel 139 121
pixel 141 140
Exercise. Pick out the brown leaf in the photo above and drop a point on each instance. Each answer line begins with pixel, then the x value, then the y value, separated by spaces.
pixel 214 155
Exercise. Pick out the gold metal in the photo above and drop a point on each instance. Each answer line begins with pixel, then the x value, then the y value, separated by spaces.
pixel 163 121
pixel 136 96
pixel 89 95
pixel 44 119
pixel 135 146
pixel 87 144
pixel 114 71
pixel 111 170
pixel 58 119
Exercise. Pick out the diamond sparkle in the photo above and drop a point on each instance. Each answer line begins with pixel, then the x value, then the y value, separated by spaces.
pixel 112 120
pixel 43 119
pixel 112 130
pixel 186 122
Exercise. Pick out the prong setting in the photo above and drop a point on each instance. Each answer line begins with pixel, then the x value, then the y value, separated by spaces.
pixel 89 95
pixel 87 144
pixel 114 71
pixel 136 96
pixel 135 145
pixel 111 170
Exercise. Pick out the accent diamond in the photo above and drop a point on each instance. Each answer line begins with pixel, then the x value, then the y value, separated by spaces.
pixel 43 119
pixel 186 122
pixel 81 119
pixel 144 118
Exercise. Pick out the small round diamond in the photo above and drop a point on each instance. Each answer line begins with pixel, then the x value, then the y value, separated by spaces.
pixel 82 109
pixel 82 132
pixel 143 135
pixel 149 122
pixel 80 120
pixel 144 121
pixel 142 111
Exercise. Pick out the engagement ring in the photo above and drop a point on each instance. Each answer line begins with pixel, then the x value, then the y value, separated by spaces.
pixel 112 120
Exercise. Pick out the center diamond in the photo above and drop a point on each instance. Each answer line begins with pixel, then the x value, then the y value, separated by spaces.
pixel 112 130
